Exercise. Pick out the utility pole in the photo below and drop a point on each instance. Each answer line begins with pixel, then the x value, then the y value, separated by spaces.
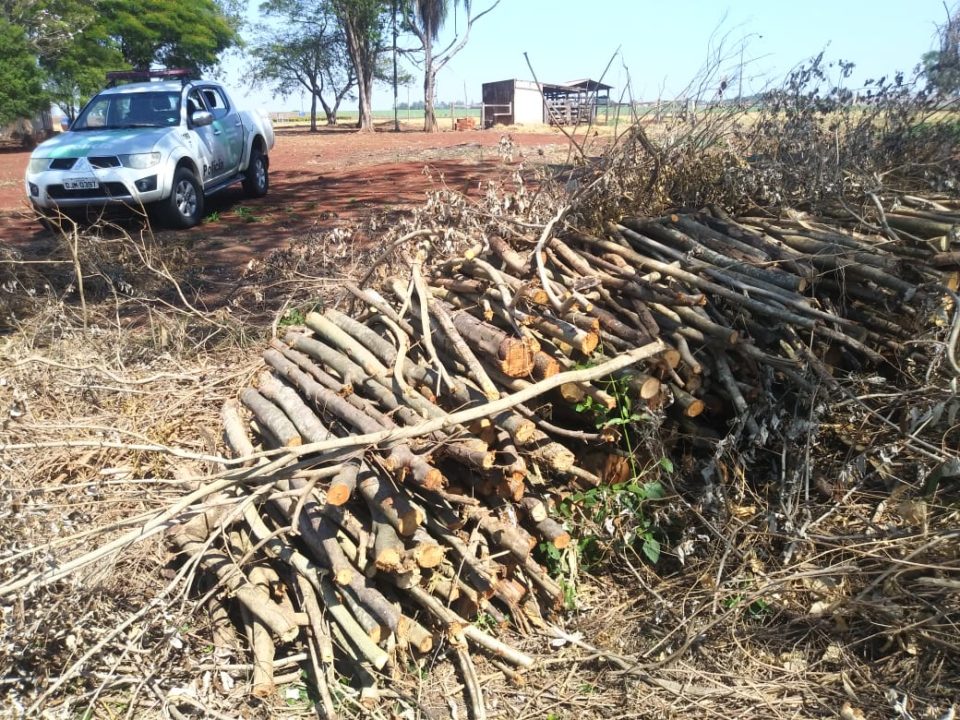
pixel 743 45
pixel 396 117
pixel 740 88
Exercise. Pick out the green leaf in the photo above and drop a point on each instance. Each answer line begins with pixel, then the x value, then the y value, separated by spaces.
pixel 651 548
pixel 654 490
pixel 638 490
pixel 666 464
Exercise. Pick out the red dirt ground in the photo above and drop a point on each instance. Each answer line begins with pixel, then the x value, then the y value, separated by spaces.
pixel 318 180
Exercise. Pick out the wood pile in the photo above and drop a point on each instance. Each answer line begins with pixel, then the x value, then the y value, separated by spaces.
pixel 696 318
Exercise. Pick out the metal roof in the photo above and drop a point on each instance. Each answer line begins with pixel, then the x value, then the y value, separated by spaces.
pixel 586 84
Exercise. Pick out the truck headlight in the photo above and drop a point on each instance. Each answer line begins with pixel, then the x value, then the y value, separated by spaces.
pixel 38 164
pixel 140 161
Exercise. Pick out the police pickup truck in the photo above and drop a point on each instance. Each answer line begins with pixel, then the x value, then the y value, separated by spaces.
pixel 160 141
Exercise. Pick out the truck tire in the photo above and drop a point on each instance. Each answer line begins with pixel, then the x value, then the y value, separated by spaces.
pixel 184 207
pixel 256 179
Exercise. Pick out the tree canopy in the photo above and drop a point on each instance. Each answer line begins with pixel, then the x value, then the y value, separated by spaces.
pixel 425 19
pixel 173 33
pixel 364 24
pixel 21 91
pixel 59 50
pixel 308 51
pixel 942 67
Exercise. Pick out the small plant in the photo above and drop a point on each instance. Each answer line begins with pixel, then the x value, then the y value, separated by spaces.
pixel 757 609
pixel 293 316
pixel 618 511
pixel 212 217
pixel 246 214
pixel 296 695
pixel 618 418
pixel 485 621
pixel 562 565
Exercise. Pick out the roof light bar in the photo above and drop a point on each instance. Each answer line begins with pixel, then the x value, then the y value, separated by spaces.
pixel 115 76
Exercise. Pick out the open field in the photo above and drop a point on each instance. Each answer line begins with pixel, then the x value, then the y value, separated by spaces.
pixel 335 177
pixel 760 520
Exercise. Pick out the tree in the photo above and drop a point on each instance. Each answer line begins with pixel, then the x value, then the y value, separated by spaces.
pixel 77 71
pixel 942 67
pixel 309 53
pixel 364 25
pixel 49 25
pixel 172 33
pixel 425 19
pixel 70 44
pixel 21 87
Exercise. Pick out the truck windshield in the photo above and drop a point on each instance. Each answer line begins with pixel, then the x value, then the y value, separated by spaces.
pixel 114 111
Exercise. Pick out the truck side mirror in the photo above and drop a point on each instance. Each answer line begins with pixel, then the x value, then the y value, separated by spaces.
pixel 201 118
pixel 64 123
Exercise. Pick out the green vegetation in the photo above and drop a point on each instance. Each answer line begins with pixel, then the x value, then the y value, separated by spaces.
pixel 942 67
pixel 59 50
pixel 293 316
pixel 21 92
pixel 308 51
pixel 615 518
pixel 173 33
pixel 246 215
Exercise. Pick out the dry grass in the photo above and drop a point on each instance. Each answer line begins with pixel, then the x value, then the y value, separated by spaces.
pixel 818 572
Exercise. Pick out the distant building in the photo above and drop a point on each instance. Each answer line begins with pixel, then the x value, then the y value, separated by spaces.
pixel 27 132
pixel 521 102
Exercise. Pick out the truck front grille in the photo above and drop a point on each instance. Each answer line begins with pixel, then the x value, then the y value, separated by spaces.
pixel 106 190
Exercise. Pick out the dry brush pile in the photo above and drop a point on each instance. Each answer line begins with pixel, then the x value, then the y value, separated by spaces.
pixel 407 465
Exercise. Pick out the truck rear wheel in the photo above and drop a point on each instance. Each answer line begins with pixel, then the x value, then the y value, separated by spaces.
pixel 256 180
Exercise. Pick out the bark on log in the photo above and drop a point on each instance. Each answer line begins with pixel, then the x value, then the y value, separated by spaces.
pixel 552 532
pixel 285 397
pixel 271 418
pixel 235 430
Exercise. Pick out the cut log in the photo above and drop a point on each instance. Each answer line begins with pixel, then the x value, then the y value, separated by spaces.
pixel 552 532
pixel 271 418
pixel 235 430
pixel 689 405
pixel 345 482
pixel 534 508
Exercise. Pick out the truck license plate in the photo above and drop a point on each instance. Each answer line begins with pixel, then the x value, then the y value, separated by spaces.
pixel 80 184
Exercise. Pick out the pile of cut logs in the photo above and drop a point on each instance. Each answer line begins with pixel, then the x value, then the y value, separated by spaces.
pixel 431 427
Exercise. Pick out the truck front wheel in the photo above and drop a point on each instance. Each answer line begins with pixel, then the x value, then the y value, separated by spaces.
pixel 184 207
pixel 256 180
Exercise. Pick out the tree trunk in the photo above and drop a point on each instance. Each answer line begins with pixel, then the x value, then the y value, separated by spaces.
pixel 313 112
pixel 429 82
pixel 329 112
pixel 365 122
pixel 363 66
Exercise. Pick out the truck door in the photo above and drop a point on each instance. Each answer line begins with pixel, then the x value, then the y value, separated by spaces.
pixel 207 147
pixel 228 129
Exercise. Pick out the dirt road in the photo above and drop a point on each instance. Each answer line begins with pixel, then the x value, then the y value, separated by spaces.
pixel 318 180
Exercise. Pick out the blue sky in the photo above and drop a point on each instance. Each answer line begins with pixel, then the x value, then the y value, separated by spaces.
pixel 663 44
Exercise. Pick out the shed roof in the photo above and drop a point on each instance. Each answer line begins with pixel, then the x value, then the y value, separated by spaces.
pixel 586 84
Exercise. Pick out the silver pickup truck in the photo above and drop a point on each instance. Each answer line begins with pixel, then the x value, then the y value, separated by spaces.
pixel 163 144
